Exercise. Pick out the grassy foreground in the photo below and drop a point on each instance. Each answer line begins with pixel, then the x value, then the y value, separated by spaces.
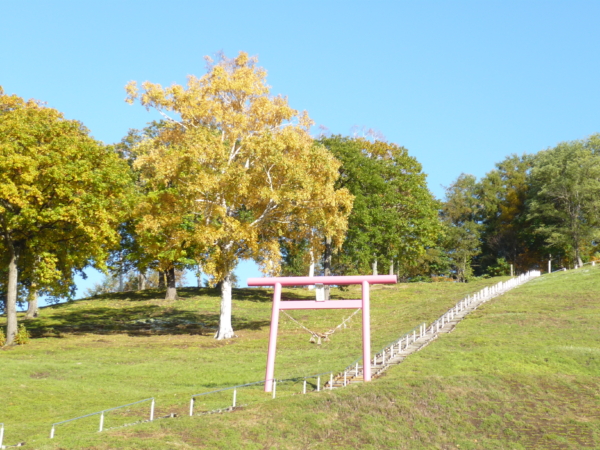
pixel 521 372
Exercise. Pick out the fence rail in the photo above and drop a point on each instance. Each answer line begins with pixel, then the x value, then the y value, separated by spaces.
pixel 101 426
pixel 234 397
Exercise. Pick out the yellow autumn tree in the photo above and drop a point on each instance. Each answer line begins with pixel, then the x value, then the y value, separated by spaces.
pixel 235 168
pixel 62 196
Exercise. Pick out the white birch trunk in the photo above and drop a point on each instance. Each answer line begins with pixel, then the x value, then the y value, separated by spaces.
pixel 311 269
pixel 391 267
pixel 327 264
pixel 225 330
pixel 375 267
pixel 199 276
pixel 11 300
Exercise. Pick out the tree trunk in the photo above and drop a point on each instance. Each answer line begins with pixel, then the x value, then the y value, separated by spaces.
pixel 327 263
pixel 171 288
pixel 199 276
pixel 32 304
pixel 161 279
pixel 141 281
pixel 311 268
pixel 121 281
pixel 11 297
pixel 225 330
pixel 375 267
pixel 392 267
pixel 579 262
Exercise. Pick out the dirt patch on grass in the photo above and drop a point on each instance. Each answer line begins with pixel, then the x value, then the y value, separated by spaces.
pixel 39 375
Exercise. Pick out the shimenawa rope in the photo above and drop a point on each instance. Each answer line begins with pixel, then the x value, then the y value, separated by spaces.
pixel 316 337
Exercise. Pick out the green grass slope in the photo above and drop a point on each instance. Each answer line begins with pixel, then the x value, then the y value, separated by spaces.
pixel 520 372
pixel 94 354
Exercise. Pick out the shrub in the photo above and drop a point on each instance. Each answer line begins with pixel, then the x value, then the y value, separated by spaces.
pixel 22 337
pixel 502 268
pixel 2 338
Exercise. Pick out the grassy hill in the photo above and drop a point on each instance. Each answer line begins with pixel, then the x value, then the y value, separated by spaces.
pixel 521 372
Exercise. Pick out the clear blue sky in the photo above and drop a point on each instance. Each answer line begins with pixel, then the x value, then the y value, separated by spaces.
pixel 461 84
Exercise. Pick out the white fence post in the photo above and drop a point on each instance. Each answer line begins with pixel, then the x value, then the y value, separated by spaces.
pixel 152 411
pixel 304 387
pixel 52 432
pixel 234 397
pixel 101 421
pixel 274 387
pixel 2 433
pixel 319 383
pixel 192 406
pixel 331 381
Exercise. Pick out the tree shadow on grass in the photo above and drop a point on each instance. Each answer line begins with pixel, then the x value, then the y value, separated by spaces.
pixel 266 295
pixel 184 293
pixel 149 319
pixel 140 320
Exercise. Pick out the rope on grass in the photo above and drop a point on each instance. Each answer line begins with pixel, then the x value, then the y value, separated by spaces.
pixel 317 337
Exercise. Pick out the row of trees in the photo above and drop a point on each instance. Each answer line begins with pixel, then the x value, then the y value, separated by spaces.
pixel 530 209
pixel 230 173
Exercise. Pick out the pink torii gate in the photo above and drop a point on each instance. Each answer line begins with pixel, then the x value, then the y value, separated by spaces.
pixel 278 282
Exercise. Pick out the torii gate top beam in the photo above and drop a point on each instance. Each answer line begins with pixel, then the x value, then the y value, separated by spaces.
pixel 331 280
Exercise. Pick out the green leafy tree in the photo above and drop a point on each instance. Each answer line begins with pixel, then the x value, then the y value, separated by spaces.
pixel 61 198
pixel 565 196
pixel 394 217
pixel 461 215
pixel 507 232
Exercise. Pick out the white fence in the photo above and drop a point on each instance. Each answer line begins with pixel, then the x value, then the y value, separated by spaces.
pixel 482 296
pixel 226 399
pixel 103 412
pixel 382 358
